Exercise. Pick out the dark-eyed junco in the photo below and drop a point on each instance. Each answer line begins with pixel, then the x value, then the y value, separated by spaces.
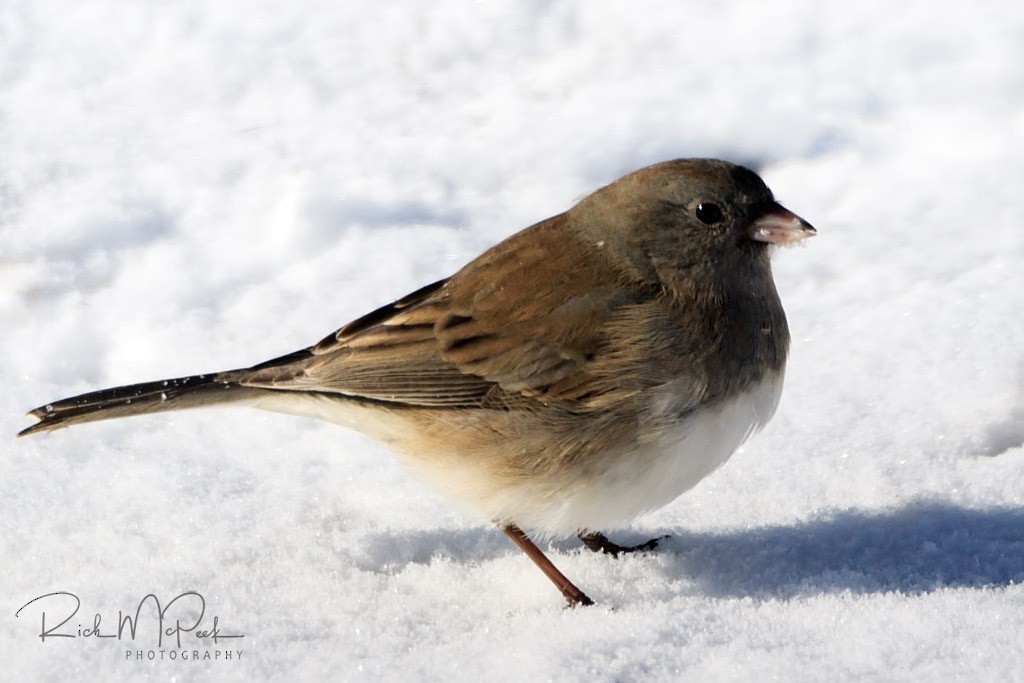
pixel 587 369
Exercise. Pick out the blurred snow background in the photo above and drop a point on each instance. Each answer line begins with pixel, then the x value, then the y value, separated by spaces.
pixel 189 186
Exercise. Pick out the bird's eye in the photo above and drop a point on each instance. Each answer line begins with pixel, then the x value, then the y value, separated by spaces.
pixel 708 213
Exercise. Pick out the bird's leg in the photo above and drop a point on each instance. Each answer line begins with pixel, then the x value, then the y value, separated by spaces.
pixel 572 594
pixel 599 543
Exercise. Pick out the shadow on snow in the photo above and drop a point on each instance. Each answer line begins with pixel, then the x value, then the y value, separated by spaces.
pixel 915 549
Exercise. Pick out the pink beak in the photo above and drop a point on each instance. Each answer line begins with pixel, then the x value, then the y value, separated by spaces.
pixel 780 226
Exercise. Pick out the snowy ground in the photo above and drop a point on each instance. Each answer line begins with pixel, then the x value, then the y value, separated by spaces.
pixel 189 186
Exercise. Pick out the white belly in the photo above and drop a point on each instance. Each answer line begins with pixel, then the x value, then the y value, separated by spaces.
pixel 670 460
pixel 657 472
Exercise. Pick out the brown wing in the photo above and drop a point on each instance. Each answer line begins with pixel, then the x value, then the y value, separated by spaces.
pixel 520 322
pixel 389 354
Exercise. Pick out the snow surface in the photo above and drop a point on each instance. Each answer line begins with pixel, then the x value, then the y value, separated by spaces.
pixel 189 186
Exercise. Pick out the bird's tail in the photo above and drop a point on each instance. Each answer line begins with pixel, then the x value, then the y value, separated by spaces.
pixel 138 399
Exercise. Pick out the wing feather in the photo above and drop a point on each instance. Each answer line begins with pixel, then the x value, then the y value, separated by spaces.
pixel 494 334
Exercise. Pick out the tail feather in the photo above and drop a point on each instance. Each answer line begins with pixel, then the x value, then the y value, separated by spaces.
pixel 138 399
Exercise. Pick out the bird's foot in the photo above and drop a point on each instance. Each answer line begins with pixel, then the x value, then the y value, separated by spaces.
pixel 599 543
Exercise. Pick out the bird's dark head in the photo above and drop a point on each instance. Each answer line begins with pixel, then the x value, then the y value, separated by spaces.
pixel 693 216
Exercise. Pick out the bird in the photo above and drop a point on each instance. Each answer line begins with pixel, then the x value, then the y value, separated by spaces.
pixel 587 369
